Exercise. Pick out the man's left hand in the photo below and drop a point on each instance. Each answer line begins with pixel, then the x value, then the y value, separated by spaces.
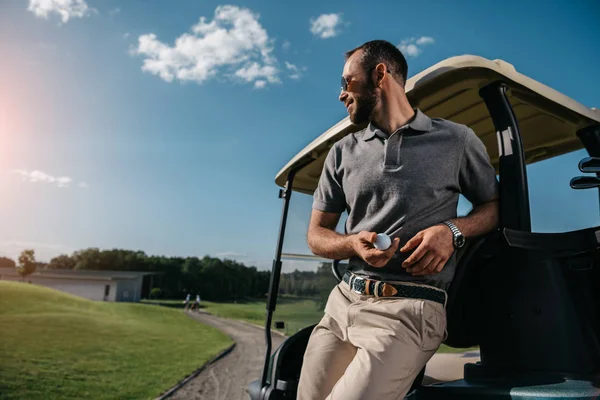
pixel 434 246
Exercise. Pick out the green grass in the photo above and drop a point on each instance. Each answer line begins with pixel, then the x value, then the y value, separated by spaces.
pixel 447 349
pixel 57 346
pixel 297 313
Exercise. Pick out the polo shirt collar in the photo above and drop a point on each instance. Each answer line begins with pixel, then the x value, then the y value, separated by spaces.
pixel 420 123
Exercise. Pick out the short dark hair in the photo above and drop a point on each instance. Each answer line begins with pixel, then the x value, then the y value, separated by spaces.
pixel 381 51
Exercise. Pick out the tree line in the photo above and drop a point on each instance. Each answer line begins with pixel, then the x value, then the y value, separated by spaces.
pixel 26 265
pixel 174 277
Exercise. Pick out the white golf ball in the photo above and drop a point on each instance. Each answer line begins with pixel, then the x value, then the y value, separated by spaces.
pixel 382 242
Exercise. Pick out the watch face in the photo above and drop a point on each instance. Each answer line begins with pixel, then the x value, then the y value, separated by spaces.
pixel 460 241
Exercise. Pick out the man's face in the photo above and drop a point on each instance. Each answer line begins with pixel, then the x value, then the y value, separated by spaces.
pixel 359 97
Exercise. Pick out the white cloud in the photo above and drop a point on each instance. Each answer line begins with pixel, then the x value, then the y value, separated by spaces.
pixel 326 25
pixel 125 35
pixel 291 67
pixel 286 45
pixel 66 9
pixel 410 50
pixel 295 72
pixel 412 47
pixel 260 84
pixel 423 40
pixel 83 185
pixel 114 11
pixel 233 44
pixel 254 71
pixel 39 176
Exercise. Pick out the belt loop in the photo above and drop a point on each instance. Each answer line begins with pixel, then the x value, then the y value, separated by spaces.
pixel 376 289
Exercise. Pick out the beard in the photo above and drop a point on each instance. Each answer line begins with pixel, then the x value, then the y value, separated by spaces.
pixel 364 105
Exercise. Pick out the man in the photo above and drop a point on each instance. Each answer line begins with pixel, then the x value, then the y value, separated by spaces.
pixel 186 302
pixel 402 176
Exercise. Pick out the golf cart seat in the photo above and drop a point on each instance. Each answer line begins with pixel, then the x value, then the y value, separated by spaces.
pixel 542 310
pixel 464 306
pixel 514 286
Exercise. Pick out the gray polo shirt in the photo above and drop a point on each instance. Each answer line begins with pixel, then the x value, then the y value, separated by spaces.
pixel 405 183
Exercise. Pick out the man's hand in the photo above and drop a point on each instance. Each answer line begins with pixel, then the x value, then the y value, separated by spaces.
pixel 363 246
pixel 434 247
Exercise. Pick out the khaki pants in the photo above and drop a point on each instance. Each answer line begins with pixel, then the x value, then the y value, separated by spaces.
pixel 369 348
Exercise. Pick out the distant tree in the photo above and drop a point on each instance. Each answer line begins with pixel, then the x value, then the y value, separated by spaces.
pixel 62 262
pixel 6 262
pixel 214 279
pixel 27 263
pixel 325 283
pixel 41 265
pixel 88 259
pixel 156 293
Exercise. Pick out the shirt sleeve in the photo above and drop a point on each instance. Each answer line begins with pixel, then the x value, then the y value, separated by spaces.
pixel 477 177
pixel 329 195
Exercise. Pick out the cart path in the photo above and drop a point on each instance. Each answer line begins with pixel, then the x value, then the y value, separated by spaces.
pixel 227 378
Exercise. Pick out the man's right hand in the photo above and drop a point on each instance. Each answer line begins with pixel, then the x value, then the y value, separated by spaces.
pixel 363 246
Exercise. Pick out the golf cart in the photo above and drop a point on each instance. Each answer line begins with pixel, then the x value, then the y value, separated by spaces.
pixel 530 301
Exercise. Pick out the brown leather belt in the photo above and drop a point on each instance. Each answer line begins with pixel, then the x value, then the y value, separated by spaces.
pixel 371 287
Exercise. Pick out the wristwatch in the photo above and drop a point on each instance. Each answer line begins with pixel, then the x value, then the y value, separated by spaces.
pixel 457 237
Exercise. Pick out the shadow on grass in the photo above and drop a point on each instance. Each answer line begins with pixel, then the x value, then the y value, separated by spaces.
pixel 166 303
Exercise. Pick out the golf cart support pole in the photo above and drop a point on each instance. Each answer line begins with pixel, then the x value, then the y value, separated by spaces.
pixel 514 209
pixel 286 194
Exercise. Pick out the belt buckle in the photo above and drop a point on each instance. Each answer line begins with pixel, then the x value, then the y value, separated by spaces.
pixel 356 278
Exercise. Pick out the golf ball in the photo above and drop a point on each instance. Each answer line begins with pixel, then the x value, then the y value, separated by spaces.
pixel 382 242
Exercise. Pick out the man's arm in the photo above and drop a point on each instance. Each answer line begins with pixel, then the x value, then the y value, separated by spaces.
pixel 434 245
pixel 481 220
pixel 324 241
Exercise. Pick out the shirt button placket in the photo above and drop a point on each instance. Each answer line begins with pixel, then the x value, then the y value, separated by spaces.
pixel 392 151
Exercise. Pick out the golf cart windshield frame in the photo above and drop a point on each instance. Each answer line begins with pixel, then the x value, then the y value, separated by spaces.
pixel 286 195
pixel 514 206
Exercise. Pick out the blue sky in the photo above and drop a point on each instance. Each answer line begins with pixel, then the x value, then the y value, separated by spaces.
pixel 140 143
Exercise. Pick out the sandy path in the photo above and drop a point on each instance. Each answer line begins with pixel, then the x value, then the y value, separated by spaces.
pixel 227 378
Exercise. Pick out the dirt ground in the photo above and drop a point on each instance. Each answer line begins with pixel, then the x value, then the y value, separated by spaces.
pixel 227 378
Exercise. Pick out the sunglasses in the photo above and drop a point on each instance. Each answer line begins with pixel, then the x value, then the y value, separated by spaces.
pixel 346 82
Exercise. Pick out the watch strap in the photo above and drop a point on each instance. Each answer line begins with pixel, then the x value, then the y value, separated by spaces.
pixel 455 231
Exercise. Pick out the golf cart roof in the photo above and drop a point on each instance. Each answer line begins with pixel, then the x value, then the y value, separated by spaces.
pixel 548 120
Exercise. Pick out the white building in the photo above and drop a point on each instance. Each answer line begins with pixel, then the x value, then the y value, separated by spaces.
pixel 90 284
